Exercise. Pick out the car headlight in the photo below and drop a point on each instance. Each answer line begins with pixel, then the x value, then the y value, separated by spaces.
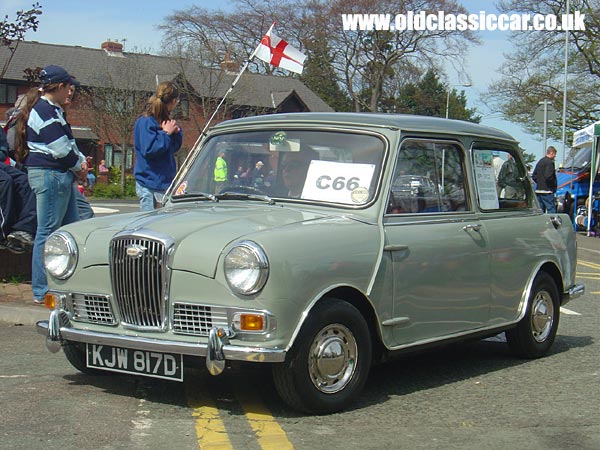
pixel 246 268
pixel 60 255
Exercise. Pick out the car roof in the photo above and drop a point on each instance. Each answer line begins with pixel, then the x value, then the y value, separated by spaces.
pixel 404 122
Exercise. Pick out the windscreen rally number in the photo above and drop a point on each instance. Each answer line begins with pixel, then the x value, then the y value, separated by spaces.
pixel 339 182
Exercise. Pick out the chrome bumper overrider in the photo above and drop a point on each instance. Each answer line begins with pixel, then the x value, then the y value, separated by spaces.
pixel 216 351
pixel 576 290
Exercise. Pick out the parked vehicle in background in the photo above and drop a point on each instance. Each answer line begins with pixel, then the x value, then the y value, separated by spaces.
pixel 574 180
pixel 371 235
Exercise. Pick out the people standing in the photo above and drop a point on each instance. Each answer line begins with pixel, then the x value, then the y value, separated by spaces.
pixel 156 139
pixel 220 172
pixel 544 176
pixel 510 180
pixel 45 145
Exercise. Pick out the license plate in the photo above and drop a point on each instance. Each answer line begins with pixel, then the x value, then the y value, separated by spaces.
pixel 139 362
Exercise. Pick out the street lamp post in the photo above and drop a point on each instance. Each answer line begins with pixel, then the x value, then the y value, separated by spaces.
pixel 448 95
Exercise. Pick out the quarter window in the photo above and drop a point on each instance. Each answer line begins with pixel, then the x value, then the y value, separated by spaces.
pixel 501 179
pixel 429 177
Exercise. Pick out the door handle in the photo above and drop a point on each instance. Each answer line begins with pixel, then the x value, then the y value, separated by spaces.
pixel 474 227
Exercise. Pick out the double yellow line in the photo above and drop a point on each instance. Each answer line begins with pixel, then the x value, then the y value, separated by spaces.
pixel 210 428
pixel 594 274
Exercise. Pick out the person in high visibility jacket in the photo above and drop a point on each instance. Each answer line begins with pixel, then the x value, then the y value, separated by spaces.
pixel 220 172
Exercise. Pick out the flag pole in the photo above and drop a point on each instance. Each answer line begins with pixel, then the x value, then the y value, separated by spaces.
pixel 237 78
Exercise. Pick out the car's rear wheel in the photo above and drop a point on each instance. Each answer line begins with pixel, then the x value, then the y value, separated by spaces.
pixel 75 353
pixel 535 333
pixel 329 363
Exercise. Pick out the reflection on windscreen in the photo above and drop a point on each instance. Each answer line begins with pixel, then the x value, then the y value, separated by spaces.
pixel 578 158
pixel 322 166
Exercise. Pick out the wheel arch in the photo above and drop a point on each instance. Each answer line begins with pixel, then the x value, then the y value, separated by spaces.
pixel 554 272
pixel 361 302
pixel 550 268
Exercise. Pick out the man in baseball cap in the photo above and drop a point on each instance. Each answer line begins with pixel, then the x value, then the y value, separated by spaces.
pixel 56 74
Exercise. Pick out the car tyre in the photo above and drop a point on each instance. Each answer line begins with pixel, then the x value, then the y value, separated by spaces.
pixel 329 363
pixel 535 333
pixel 75 353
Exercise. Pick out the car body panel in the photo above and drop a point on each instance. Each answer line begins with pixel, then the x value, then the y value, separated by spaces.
pixel 417 277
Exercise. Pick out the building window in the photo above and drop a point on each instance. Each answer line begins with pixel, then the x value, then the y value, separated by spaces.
pixel 8 93
pixel 113 154
pixel 182 111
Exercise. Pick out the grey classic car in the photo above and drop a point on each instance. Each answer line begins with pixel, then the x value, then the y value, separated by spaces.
pixel 329 242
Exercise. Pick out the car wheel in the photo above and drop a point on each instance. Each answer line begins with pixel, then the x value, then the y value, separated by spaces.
pixel 329 363
pixel 534 334
pixel 75 353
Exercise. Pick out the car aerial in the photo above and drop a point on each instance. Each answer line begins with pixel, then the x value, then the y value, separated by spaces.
pixel 358 237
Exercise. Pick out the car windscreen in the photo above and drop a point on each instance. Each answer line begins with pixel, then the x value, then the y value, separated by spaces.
pixel 578 159
pixel 286 165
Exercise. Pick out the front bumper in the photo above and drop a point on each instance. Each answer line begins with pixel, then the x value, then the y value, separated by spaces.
pixel 575 291
pixel 216 350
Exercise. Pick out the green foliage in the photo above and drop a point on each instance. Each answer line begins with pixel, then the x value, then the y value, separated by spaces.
pixel 427 97
pixel 320 77
pixel 112 189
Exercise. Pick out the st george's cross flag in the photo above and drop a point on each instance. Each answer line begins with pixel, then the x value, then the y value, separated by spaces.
pixel 277 52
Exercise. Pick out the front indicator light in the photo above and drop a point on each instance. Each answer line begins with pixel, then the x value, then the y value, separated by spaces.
pixel 251 322
pixel 50 300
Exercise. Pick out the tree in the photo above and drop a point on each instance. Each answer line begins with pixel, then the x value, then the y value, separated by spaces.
pixel 115 102
pixel 533 72
pixel 11 33
pixel 363 66
pixel 427 96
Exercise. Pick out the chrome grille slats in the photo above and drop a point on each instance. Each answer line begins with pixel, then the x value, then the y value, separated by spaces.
pixel 139 281
pixel 91 308
pixel 197 320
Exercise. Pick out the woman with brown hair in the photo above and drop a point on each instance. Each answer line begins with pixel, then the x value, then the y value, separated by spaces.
pixel 156 138
pixel 45 145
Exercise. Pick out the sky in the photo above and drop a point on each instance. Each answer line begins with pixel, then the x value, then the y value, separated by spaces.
pixel 88 24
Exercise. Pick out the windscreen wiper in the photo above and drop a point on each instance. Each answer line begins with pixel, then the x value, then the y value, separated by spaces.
pixel 232 195
pixel 195 196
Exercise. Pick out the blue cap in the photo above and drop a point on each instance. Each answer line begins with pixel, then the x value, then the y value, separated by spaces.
pixel 56 74
pixel 495 153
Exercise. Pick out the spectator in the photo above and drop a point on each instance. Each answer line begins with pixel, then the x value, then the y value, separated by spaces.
pixel 91 177
pixel 156 139
pixel 220 172
pixel 102 167
pixel 510 181
pixel 544 176
pixel 258 176
pixel 18 218
pixel 45 144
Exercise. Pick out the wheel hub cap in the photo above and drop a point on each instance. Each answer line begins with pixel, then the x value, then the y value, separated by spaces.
pixel 542 316
pixel 332 358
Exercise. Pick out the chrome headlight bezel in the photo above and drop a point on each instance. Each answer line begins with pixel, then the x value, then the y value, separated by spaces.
pixel 246 268
pixel 60 255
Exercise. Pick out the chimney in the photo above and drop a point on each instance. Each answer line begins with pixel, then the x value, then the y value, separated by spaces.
pixel 112 47
pixel 228 65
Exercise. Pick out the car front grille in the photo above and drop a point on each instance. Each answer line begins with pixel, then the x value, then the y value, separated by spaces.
pixel 197 320
pixel 92 309
pixel 139 272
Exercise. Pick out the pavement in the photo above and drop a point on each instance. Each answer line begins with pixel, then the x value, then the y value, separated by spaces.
pixel 17 307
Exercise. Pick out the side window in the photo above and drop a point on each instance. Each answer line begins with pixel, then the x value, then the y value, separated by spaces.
pixel 501 179
pixel 428 178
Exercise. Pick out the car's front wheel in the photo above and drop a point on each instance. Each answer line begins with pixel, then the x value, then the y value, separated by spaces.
pixel 534 334
pixel 329 363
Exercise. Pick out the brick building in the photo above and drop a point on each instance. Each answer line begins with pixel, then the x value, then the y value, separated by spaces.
pixel 109 67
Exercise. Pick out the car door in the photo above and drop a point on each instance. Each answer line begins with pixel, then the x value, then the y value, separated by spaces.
pixel 513 221
pixel 436 245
